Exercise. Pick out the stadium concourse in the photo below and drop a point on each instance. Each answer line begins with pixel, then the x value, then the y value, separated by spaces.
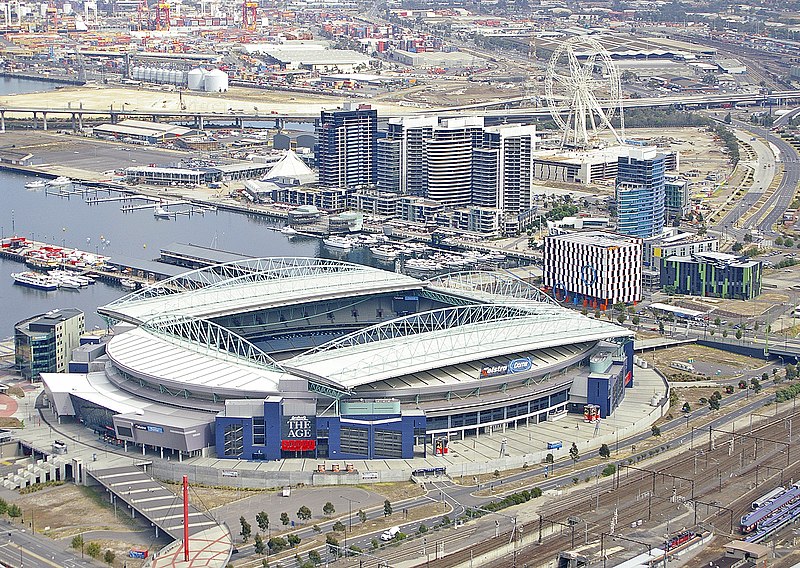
pixel 269 365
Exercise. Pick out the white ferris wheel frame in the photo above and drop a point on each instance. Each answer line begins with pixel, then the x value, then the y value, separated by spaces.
pixel 585 116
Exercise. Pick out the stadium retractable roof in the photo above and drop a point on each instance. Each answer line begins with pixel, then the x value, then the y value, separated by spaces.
pixel 448 336
pixel 246 285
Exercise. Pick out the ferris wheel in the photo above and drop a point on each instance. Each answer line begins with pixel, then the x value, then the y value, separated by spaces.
pixel 583 91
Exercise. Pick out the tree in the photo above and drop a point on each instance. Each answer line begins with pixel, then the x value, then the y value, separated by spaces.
pixel 738 334
pixel 549 458
pixel 748 238
pixel 713 404
pixel 293 540
pixel 15 512
pixel 258 544
pixel 362 516
pixel 93 549
pixel 328 509
pixel 717 321
pixel 573 453
pixel 387 508
pixel 314 557
pixel 333 543
pixel 655 430
pixel 109 557
pixel 724 333
pixel 262 520
pixel 635 320
pixel 276 544
pixel 77 542
pixel 285 518
pixel 422 529
pixel 338 526
pixel 727 119
pixel 686 407
pixel 304 513
pixel 3 507
pixel 247 530
pixel 621 318
pixel 661 327
pixel 536 492
pixel 604 451
pixel 737 246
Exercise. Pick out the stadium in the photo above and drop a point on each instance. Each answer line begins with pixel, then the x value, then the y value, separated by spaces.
pixel 280 358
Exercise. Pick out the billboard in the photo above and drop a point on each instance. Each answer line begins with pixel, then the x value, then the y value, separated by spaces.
pixel 298 433
pixel 514 366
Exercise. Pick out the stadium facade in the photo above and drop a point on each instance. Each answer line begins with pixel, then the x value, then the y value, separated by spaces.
pixel 311 358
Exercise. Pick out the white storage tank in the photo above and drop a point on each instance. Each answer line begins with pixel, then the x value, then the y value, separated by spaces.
pixel 180 77
pixel 162 76
pixel 215 81
pixel 150 75
pixel 173 77
pixel 194 79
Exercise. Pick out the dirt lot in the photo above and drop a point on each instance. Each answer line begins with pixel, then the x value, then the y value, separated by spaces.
pixel 395 491
pixel 706 361
pixel 208 498
pixel 736 308
pixel 699 151
pixel 71 509
pixel 244 100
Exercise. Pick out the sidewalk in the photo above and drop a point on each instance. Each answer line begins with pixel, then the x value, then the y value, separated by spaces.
pixel 472 456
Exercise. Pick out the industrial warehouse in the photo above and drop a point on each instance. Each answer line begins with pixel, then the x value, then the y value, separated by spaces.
pixel 277 358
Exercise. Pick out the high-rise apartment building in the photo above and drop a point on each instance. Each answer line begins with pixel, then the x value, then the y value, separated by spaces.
pixel 640 192
pixel 429 157
pixel 449 160
pixel 402 166
pixel 346 146
pixel 502 168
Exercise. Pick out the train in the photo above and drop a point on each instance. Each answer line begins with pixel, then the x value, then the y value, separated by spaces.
pixel 764 499
pixel 771 512
pixel 679 540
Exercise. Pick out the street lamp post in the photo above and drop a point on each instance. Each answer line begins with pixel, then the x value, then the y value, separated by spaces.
pixel 349 516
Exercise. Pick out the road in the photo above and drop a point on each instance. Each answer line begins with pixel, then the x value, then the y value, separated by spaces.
pixel 774 207
pixel 763 174
pixel 21 549
pixel 459 498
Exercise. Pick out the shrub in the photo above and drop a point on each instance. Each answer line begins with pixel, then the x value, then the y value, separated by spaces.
pixel 277 544
pixel 93 549
pixel 338 526
pixel 610 469
pixel 109 557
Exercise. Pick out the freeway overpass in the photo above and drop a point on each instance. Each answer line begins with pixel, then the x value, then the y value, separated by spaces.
pixel 509 109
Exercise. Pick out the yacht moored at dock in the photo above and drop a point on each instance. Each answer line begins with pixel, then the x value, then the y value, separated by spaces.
pixel 36 184
pixel 338 242
pixel 60 181
pixel 35 280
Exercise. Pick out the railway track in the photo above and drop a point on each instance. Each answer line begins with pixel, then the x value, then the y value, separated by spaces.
pixel 712 483
pixel 659 492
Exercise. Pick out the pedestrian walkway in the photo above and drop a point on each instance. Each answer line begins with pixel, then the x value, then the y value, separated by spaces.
pixel 210 544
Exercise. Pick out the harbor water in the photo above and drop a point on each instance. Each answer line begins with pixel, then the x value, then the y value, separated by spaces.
pixel 103 228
